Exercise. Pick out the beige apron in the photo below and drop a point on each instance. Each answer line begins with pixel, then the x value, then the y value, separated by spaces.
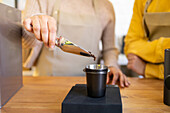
pixel 156 24
pixel 75 27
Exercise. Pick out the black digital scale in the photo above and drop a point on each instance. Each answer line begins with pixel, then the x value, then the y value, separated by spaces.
pixel 77 101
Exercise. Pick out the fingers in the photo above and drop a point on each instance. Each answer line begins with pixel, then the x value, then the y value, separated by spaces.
pixel 44 29
pixel 27 24
pixel 109 77
pixel 36 28
pixel 122 81
pixel 136 64
pixel 52 32
pixel 115 79
pixel 117 75
pixel 127 83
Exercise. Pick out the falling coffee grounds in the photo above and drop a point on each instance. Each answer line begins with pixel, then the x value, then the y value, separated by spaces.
pixel 88 55
pixel 92 56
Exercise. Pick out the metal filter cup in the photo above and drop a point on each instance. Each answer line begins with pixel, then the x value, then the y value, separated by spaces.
pixel 96 75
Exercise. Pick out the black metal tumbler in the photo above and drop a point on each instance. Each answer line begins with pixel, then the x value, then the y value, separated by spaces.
pixel 96 76
pixel 167 77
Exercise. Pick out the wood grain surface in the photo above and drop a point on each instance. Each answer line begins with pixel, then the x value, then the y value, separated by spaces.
pixel 45 95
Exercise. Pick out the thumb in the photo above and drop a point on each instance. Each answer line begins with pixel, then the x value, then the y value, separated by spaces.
pixel 27 23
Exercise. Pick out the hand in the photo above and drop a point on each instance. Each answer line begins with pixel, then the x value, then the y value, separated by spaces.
pixel 136 64
pixel 116 74
pixel 43 27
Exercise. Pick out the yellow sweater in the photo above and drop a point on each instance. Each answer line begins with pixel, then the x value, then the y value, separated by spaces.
pixel 137 43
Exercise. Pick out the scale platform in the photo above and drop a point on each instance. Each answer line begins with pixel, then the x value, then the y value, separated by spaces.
pixel 77 101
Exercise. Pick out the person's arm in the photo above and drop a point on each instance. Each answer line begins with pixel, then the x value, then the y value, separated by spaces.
pixel 149 51
pixel 138 44
pixel 110 52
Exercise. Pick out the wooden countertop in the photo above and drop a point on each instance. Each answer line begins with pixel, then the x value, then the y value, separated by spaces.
pixel 45 95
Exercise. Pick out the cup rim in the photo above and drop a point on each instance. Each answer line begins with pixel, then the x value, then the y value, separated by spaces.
pixel 103 67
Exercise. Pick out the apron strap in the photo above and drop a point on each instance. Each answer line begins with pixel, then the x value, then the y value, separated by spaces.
pixel 95 6
pixel 144 22
pixel 147 5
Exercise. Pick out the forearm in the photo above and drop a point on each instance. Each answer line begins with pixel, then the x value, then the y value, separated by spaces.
pixel 152 52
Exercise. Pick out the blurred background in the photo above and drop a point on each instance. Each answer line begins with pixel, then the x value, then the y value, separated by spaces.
pixel 123 10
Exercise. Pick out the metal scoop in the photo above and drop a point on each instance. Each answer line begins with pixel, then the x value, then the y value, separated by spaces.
pixel 70 47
